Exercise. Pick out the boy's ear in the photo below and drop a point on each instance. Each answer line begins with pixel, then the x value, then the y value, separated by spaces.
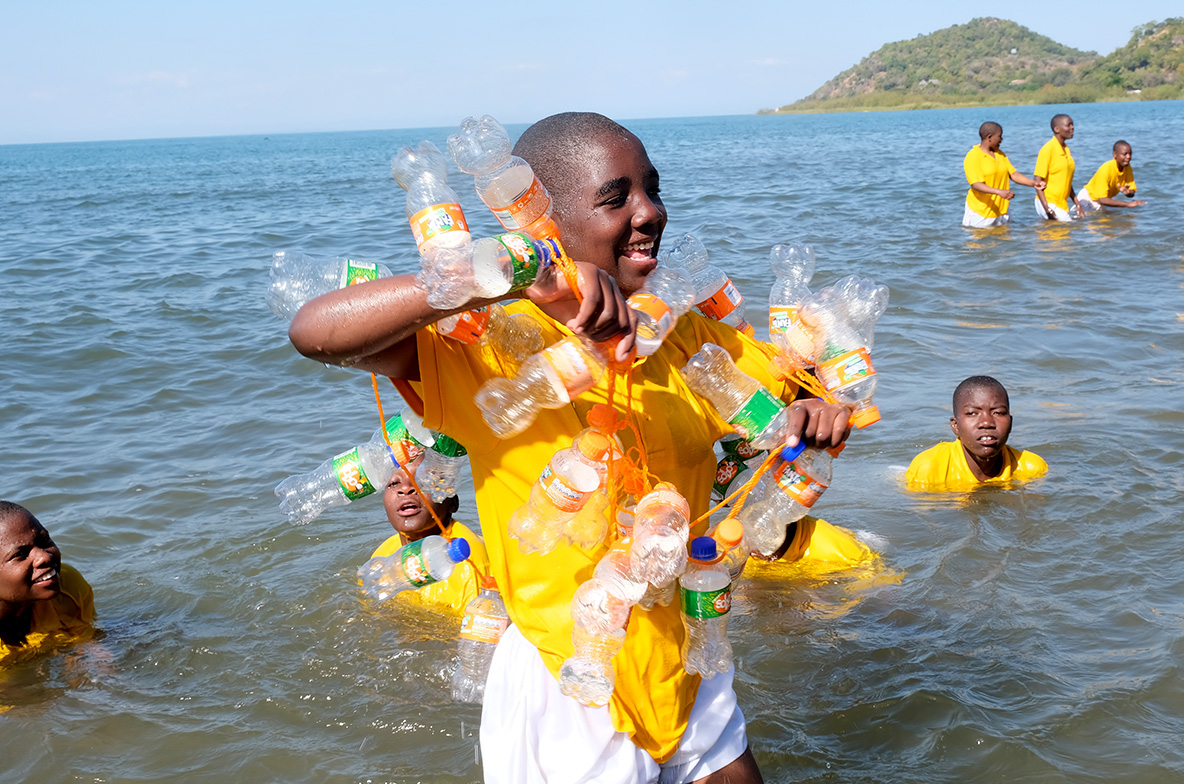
pixel 452 503
pixel 954 426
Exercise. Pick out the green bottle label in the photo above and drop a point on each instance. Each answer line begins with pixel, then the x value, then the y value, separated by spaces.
pixel 756 415
pixel 397 431
pixel 448 446
pixel 726 471
pixel 358 272
pixel 350 475
pixel 525 261
pixel 415 567
pixel 706 604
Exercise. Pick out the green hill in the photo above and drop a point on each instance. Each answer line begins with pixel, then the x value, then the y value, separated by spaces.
pixel 991 62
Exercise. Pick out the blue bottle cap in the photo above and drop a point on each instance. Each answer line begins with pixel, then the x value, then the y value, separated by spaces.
pixel 703 548
pixel 790 453
pixel 458 550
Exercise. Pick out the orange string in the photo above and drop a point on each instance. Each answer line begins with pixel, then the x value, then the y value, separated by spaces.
pixel 427 501
pixel 742 491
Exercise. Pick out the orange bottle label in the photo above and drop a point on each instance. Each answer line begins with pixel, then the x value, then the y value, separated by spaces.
pixel 780 318
pixel 483 628
pixel 846 369
pixel 526 209
pixel 659 311
pixel 798 485
pixel 431 222
pixel 722 302
pixel 470 326
pixel 566 358
pixel 565 497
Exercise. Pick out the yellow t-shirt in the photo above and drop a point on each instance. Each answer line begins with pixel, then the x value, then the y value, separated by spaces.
pixel 816 541
pixel 70 614
pixel 994 172
pixel 1107 180
pixel 654 695
pixel 944 467
pixel 1055 164
pixel 449 596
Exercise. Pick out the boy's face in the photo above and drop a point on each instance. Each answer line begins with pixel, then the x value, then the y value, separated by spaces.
pixel 615 216
pixel 407 510
pixel 994 140
pixel 29 561
pixel 982 421
pixel 1064 128
pixel 1122 156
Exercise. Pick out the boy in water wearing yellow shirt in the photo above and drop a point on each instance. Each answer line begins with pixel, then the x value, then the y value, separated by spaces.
pixel 1112 178
pixel 408 514
pixel 41 599
pixel 979 452
pixel 1055 167
pixel 988 171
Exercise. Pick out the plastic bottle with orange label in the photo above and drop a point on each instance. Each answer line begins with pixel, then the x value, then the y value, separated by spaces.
pixel 561 491
pixel 660 303
pixel 414 565
pixel 789 489
pixel 793 266
pixel 551 378
pixel 757 415
pixel 729 539
pixel 843 321
pixel 487 268
pixel 511 337
pixel 705 592
pixel 433 209
pixel 481 629
pixel 296 278
pixel 715 295
pixel 661 525
pixel 505 182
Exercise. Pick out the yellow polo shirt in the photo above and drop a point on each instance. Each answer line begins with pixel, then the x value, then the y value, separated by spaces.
pixel 816 541
pixel 70 614
pixel 1107 180
pixel 994 171
pixel 653 696
pixel 1055 164
pixel 449 596
pixel 944 467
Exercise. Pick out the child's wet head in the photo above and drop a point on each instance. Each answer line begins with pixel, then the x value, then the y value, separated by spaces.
pixel 30 562
pixel 407 510
pixel 982 417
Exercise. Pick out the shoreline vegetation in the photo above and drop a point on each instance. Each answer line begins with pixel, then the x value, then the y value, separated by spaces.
pixel 995 62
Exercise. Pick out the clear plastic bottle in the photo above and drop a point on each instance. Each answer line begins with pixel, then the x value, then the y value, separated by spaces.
pixel 715 295
pixel 756 414
pixel 433 209
pixel 662 301
pixel 561 491
pixel 550 379
pixel 414 565
pixel 661 525
pixel 344 478
pixel 588 675
pixel 790 489
pixel 597 607
pixel 729 540
pixel 441 463
pixel 505 182
pixel 489 267
pixel 706 594
pixel 615 572
pixel 737 461
pixel 511 337
pixel 793 266
pixel 481 629
pixel 843 321
pixel 296 278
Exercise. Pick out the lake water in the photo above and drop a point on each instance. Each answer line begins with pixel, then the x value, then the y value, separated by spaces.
pixel 151 403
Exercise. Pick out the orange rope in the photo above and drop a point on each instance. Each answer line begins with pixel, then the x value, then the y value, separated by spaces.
pixel 427 501
pixel 743 489
pixel 814 386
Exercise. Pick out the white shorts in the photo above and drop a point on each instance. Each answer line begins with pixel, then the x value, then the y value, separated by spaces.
pixel 972 220
pixel 1057 212
pixel 532 733
pixel 1088 205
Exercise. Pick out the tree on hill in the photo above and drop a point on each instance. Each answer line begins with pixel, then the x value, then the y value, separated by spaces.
pixel 1153 57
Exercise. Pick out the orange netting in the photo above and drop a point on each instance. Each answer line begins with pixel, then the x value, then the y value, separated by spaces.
pixel 410 474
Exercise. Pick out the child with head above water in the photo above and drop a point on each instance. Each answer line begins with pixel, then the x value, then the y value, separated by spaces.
pixel 42 600
pixel 979 452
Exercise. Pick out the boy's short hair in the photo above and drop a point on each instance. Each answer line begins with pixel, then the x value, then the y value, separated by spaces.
pixel 1120 143
pixel 557 146
pixel 8 509
pixel 977 382
pixel 1056 119
pixel 988 128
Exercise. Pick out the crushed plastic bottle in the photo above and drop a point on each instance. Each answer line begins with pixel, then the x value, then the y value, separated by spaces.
pixel 588 675
pixel 414 565
pixel 441 463
pixel 666 295
pixel 433 209
pixel 481 629
pixel 756 414
pixel 487 268
pixel 550 379
pixel 511 337
pixel 597 608
pixel 729 540
pixel 706 594
pixel 793 266
pixel 716 296
pixel 296 278
pixel 736 462
pixel 561 491
pixel 505 182
pixel 789 490
pixel 661 526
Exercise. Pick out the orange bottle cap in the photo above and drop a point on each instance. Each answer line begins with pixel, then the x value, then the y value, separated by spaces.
pixel 488 582
pixel 594 445
pixel 865 416
pixel 729 532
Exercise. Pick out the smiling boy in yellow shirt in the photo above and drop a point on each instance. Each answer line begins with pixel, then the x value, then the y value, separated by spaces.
pixel 1112 178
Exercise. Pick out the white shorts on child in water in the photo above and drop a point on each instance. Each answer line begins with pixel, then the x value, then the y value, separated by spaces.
pixel 1057 212
pixel 1088 205
pixel 532 733
pixel 972 220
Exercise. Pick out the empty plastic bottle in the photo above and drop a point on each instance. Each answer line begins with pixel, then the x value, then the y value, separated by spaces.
pixel 550 379
pixel 793 266
pixel 505 182
pixel 615 572
pixel 598 608
pixel 414 565
pixel 734 468
pixel 715 295
pixel 729 540
pixel 441 463
pixel 481 629
pixel 661 525
pixel 560 492
pixel 790 489
pixel 588 675
pixel 843 322
pixel 511 337
pixel 706 593
pixel 296 278
pixel 666 295
pixel 489 267
pixel 433 209
pixel 353 474
pixel 756 414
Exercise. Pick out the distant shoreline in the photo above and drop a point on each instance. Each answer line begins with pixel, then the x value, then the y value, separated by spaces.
pixel 834 107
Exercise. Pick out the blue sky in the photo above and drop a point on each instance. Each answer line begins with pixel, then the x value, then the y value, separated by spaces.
pixel 80 71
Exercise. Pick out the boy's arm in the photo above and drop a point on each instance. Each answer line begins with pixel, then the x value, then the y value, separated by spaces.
pixel 982 187
pixel 1117 203
pixel 1024 179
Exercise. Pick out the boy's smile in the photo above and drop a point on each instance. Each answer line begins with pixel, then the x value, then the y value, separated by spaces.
pixel 30 563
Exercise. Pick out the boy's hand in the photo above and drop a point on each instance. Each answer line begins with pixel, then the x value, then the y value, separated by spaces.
pixel 821 425
pixel 603 313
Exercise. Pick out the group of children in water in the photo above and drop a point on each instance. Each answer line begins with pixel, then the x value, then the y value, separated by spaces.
pixel 989 173
pixel 661 723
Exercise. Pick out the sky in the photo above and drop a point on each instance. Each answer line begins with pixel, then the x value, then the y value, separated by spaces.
pixel 89 71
